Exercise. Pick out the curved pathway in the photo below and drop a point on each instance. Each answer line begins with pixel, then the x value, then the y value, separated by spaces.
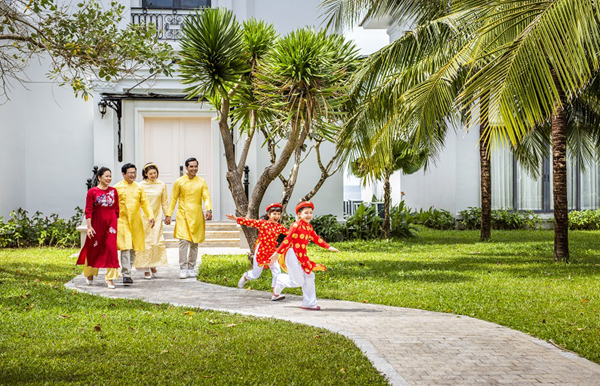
pixel 410 347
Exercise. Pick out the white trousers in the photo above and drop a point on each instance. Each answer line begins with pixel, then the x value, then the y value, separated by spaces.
pixel 296 277
pixel 188 261
pixel 127 260
pixel 257 270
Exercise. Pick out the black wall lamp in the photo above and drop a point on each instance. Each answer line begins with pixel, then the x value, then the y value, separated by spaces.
pixel 114 104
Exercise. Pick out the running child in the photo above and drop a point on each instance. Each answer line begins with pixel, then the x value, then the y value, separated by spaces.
pixel 269 229
pixel 299 267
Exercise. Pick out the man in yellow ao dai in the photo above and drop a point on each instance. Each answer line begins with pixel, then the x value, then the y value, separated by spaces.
pixel 130 228
pixel 192 192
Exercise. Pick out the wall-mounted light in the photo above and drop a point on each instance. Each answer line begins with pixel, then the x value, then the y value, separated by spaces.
pixel 102 107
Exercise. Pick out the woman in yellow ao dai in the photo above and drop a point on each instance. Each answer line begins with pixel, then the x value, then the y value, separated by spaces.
pixel 155 254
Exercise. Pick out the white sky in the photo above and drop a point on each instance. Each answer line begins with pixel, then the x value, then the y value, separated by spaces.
pixel 368 40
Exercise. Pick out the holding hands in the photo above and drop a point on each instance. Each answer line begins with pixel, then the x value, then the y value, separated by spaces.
pixel 168 220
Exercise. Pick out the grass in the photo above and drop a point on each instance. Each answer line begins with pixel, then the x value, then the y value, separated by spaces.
pixel 510 280
pixel 49 334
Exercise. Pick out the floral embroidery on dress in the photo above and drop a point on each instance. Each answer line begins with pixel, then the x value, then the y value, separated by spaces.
pixel 106 199
pixel 112 230
pixel 96 243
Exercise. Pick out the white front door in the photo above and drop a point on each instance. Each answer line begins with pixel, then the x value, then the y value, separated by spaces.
pixel 168 142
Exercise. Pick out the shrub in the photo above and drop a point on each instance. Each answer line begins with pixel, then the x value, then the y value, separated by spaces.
pixel 364 224
pixel 328 227
pixel 39 230
pixel 435 218
pixel 584 219
pixel 501 219
pixel 401 221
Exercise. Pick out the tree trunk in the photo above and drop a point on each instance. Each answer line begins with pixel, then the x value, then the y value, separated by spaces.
pixel 559 168
pixel 486 172
pixel 387 198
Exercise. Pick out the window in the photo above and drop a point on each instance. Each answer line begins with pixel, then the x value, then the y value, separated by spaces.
pixel 175 4
pixel 514 188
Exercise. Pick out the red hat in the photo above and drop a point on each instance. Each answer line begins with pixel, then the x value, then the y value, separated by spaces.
pixel 274 205
pixel 304 204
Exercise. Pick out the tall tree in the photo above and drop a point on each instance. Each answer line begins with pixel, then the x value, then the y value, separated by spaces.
pixel 381 164
pixel 528 58
pixel 83 43
pixel 290 86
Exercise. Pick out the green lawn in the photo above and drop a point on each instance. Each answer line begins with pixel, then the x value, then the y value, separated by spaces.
pixel 511 280
pixel 49 334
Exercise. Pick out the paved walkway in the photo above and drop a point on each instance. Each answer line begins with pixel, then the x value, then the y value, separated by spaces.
pixel 410 347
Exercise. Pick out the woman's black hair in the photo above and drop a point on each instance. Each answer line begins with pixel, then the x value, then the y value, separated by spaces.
pixel 266 216
pixel 101 171
pixel 127 166
pixel 191 159
pixel 148 167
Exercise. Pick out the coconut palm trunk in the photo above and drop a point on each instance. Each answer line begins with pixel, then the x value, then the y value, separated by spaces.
pixel 559 168
pixel 486 173
pixel 387 200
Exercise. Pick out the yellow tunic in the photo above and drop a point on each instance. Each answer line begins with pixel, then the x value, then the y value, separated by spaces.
pixel 130 229
pixel 155 254
pixel 191 193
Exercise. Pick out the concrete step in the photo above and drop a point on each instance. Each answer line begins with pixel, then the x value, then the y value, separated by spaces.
pixel 220 243
pixel 212 235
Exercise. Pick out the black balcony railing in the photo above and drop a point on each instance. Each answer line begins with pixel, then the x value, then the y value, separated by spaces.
pixel 168 23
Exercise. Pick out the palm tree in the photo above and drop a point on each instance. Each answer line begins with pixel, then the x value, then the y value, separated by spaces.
pixel 381 164
pixel 525 58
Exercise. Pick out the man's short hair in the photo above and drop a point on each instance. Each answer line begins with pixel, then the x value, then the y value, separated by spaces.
pixel 127 166
pixel 191 159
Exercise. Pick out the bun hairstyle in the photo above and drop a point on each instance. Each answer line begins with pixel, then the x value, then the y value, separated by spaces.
pixel 149 166
pixel 101 171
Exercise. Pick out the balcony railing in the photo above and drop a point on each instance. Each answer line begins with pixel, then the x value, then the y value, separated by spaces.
pixel 169 23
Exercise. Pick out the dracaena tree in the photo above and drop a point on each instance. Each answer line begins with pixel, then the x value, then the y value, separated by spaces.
pixel 84 42
pixel 288 88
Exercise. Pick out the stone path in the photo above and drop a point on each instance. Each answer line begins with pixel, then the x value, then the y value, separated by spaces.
pixel 410 347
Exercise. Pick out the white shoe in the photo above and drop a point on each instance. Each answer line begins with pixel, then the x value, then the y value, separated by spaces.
pixel 148 277
pixel 277 297
pixel 110 286
pixel 183 274
pixel 242 281
pixel 192 273
pixel 88 281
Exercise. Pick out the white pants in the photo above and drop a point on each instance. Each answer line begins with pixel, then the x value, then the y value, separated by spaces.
pixel 296 277
pixel 127 260
pixel 188 261
pixel 257 270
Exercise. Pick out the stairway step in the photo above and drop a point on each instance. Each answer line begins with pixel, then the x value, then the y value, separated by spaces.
pixel 211 235
pixel 224 243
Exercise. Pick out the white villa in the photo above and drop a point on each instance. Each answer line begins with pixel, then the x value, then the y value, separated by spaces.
pixel 50 140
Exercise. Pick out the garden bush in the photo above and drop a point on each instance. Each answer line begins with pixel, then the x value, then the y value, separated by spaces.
pixel 328 227
pixel 401 221
pixel 364 224
pixel 584 219
pixel 38 230
pixel 501 219
pixel 435 218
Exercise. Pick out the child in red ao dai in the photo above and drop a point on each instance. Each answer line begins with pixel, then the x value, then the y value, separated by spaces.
pixel 299 267
pixel 268 230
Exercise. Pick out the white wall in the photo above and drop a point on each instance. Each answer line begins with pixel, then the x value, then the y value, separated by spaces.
pixel 452 183
pixel 12 152
pixel 52 148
